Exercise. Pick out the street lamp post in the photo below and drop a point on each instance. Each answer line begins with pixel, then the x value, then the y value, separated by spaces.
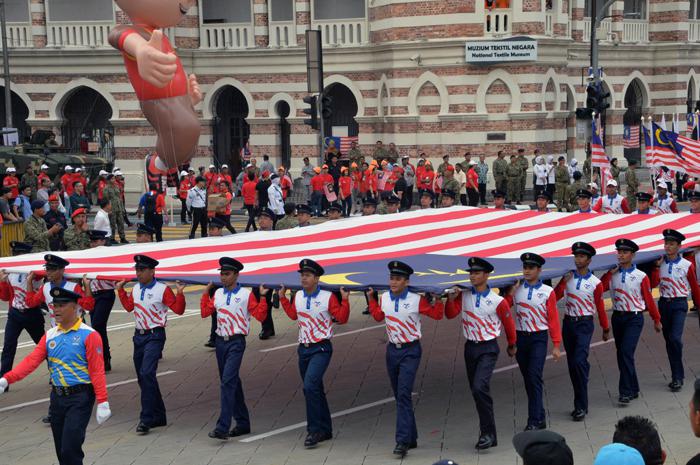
pixel 6 67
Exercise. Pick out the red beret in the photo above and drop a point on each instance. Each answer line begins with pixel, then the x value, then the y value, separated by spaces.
pixel 450 168
pixel 53 198
pixel 79 211
pixel 265 174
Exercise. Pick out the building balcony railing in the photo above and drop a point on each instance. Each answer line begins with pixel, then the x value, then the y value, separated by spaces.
pixel 343 33
pixel 80 35
pixel 549 24
pixel 603 33
pixel 283 34
pixel 19 35
pixel 635 31
pixel 694 30
pixel 498 22
pixel 226 36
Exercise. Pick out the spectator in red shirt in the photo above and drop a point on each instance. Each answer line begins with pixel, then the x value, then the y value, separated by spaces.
pixel 317 192
pixel 249 192
pixel 345 191
pixel 11 182
pixel 226 176
pixel 285 182
pixel 472 184
pixel 370 183
pixel 211 177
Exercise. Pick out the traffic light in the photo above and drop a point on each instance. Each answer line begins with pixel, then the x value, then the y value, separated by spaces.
pixel 312 111
pixel 591 96
pixel 326 107
pixel 584 113
pixel 602 103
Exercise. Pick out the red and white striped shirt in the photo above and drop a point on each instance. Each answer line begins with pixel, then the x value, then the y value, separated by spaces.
pixel 314 314
pixel 14 290
pixel 483 315
pixel 402 314
pixel 536 310
pixel 584 296
pixel 665 204
pixel 615 205
pixel 676 278
pixel 150 304
pixel 98 285
pixel 630 290
pixel 233 310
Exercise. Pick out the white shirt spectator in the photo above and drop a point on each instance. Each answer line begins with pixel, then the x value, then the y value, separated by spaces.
pixel 541 174
pixel 102 222
pixel 196 198
pixel 461 178
pixel 275 200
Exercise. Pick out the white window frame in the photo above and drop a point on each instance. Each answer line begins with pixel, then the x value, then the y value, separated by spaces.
pixel 29 14
pixel 47 6
pixel 644 17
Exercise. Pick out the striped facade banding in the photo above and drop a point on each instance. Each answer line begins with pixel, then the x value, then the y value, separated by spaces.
pixel 402 62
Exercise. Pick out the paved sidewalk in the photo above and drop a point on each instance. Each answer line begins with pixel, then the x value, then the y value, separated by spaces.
pixel 355 381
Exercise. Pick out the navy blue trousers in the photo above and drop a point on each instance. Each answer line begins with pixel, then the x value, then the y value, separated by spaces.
pixel 627 328
pixel 148 349
pixel 402 365
pixel 480 360
pixel 30 320
pixel 70 416
pixel 577 343
pixel 531 355
pixel 673 313
pixel 229 355
pixel 313 362
pixel 104 301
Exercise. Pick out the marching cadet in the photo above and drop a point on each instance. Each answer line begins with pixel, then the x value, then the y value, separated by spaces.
pixel 314 310
pixel 513 179
pixel 150 300
pixel 663 200
pixel 542 201
pixel 644 200
pixel 535 316
pixel 630 290
pixel 632 184
pixel 426 200
pixel 402 310
pixel 144 233
pixel 335 210
pixel 13 289
pixel 447 198
pixel 35 230
pixel 266 219
pixel 613 202
pixel 677 280
pixel 233 306
pixel 583 198
pixel 77 237
pixel 499 201
pixel 303 215
pixel 73 353
pixel 390 205
pixel 583 296
pixel 483 313
pixel 288 221
pixel 103 292
pixel 369 207
pixel 561 181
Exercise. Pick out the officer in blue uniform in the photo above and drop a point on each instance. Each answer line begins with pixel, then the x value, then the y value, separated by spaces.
pixel 144 233
pixel 643 202
pixel 583 198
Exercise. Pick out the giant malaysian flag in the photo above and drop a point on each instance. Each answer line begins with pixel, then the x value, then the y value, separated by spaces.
pixel 354 251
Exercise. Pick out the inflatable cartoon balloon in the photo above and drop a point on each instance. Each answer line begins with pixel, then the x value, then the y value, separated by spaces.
pixel 166 93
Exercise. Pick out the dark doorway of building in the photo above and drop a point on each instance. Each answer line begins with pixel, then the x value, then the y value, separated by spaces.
pixel 86 116
pixel 634 102
pixel 283 111
pixel 20 113
pixel 344 111
pixel 231 131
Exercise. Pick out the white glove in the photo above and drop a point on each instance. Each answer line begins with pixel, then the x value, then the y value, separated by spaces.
pixel 103 412
pixel 3 385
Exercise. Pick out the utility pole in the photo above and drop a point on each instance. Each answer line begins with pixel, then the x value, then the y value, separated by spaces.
pixel 6 67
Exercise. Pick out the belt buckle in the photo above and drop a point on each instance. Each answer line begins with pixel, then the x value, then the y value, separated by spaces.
pixel 307 345
pixel 399 345
pixel 142 332
pixel 227 338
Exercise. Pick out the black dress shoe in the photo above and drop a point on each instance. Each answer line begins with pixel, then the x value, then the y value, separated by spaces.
pixel 325 436
pixel 46 420
pixel 401 449
pixel 624 400
pixel 124 241
pixel 312 440
pixel 635 395
pixel 210 343
pixel 141 428
pixel 218 435
pixel 579 415
pixel 237 431
pixel 365 311
pixel 264 335
pixel 108 365
pixel 486 441
pixel 159 424
pixel 675 386
pixel 413 445
pixel 536 426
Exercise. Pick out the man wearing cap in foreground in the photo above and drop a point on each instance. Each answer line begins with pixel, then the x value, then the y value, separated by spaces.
pixel 35 230
pixel 303 218
pixel 314 310
pixel 103 292
pixel 630 290
pixel 499 200
pixel 369 207
pixel 536 317
pixel 483 313
pixel 612 202
pixel 583 293
pixel 643 202
pixel 542 448
pixel 144 233
pixel 402 309
pixel 664 201
pixel 77 237
pixel 426 199
pixel 73 352
pixel 55 215
pixel 389 206
pixel 618 454
pixel 694 198
pixel 677 280
pixel 583 199
pixel 150 301
pixel 232 306
pixel 542 200
pixel 20 317
pixel 335 211
pixel 447 198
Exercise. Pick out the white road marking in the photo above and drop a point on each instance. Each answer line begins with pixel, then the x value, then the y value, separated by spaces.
pixel 354 331
pixel 41 401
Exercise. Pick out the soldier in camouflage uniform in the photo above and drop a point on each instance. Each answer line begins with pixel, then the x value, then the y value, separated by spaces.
pixel 116 216
pixel 288 221
pixel 449 182
pixel 500 165
pixel 35 231
pixel 632 184
pixel 30 179
pixel 77 237
pixel 522 162
pixel 513 171
pixel 587 169
pixel 571 190
pixel 561 181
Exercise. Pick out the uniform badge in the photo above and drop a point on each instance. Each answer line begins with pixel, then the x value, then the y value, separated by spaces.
pixel 76 340
pixel 150 296
pixel 52 344
pixel 406 306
